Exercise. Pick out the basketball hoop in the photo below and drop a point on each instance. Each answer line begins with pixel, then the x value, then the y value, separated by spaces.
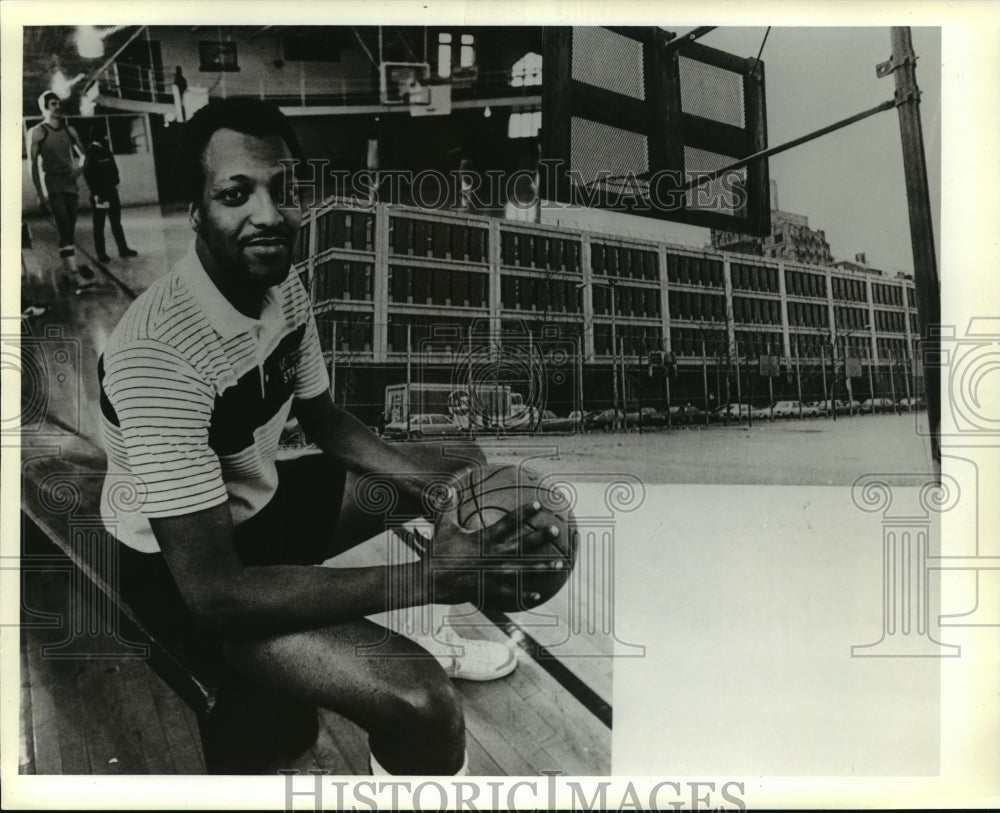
pixel 438 102
pixel 404 83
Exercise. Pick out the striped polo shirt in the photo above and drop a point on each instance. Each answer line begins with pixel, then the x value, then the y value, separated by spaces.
pixel 194 396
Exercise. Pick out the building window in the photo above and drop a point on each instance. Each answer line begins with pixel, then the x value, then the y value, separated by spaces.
pixel 527 71
pixel 467 56
pixel 456 56
pixel 524 125
pixel 444 55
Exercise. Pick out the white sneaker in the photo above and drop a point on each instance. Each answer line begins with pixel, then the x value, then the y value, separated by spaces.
pixel 32 310
pixel 470 659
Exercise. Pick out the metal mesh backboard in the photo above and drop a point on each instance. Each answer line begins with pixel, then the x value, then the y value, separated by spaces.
pixel 630 117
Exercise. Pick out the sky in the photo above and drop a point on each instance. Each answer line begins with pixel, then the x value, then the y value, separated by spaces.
pixel 849 183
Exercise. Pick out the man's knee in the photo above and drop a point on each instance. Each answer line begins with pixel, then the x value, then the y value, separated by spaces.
pixel 427 706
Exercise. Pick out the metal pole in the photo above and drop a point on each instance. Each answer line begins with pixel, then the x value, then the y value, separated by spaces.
pixel 848 383
pixel 110 61
pixel 468 409
pixel 614 356
pixel 871 378
pixel 704 372
pixel 496 391
pixel 902 64
pixel 906 380
pixel 579 391
pixel 638 392
pixel 666 387
pixel 409 386
pixel 795 142
pixel 798 376
pixel 833 379
pixel 770 394
pixel 892 385
pixel 624 386
pixel 333 360
pixel 739 390
pixel 691 36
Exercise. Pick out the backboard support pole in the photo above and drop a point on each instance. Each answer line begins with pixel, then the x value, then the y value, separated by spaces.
pixel 902 64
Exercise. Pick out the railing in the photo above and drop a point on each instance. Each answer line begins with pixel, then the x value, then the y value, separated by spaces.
pixel 142 83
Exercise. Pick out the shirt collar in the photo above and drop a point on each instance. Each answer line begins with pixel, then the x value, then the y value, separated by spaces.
pixel 224 318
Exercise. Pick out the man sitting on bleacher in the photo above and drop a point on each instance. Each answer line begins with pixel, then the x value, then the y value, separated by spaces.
pixel 197 380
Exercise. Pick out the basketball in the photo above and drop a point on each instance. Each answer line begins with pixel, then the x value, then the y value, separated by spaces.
pixel 494 491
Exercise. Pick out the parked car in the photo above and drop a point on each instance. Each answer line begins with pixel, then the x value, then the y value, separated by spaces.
pixel 648 417
pixel 911 404
pixel 582 419
pixel 681 415
pixel 870 405
pixel 814 409
pixel 761 413
pixel 422 425
pixel 605 419
pixel 788 409
pixel 553 423
pixel 734 412
pixel 845 407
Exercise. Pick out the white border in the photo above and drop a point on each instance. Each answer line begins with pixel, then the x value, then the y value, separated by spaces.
pixel 970 259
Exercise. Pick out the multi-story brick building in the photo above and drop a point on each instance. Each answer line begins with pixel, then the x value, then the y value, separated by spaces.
pixel 790 238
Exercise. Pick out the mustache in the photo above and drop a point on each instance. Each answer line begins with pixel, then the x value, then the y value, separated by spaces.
pixel 270 234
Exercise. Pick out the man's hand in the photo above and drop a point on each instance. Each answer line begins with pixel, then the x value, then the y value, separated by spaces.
pixel 459 560
pixel 43 203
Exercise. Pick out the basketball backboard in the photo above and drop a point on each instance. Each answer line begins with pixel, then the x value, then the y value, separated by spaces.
pixel 631 116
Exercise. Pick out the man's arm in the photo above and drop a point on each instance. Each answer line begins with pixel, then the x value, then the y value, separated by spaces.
pixel 75 140
pixel 347 440
pixel 227 595
pixel 35 177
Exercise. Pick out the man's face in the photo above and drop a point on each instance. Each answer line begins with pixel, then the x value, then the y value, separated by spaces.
pixel 248 216
pixel 54 108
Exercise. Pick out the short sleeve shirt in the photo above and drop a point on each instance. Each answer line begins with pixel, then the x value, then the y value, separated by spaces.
pixel 194 396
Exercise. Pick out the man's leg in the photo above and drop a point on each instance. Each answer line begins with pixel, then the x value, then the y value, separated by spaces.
pixel 426 625
pixel 115 216
pixel 98 215
pixel 64 205
pixel 399 694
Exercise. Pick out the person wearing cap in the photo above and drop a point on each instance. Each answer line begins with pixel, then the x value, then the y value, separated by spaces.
pixel 101 173
pixel 55 145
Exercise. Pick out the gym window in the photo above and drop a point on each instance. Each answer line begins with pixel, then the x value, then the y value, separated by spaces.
pixel 527 71
pixel 466 46
pixel 524 125
pixel 467 56
pixel 444 55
